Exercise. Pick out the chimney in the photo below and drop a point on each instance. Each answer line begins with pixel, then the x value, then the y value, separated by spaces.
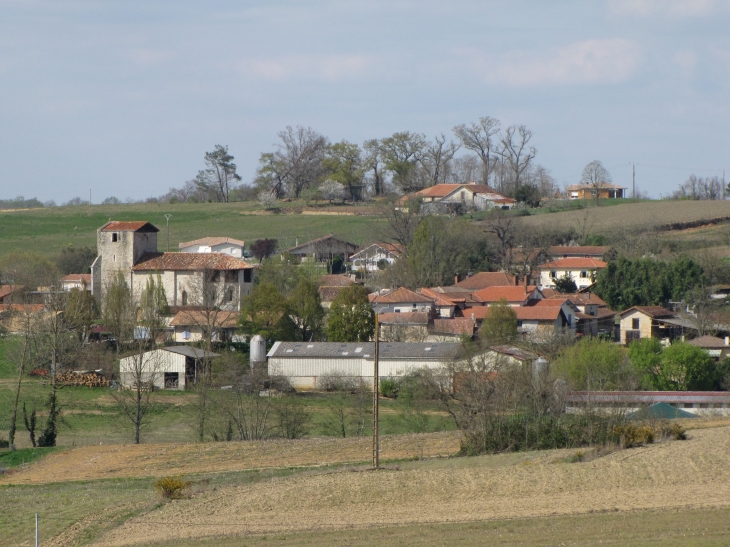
pixel 727 340
pixel 456 278
pixel 517 280
pixel 527 280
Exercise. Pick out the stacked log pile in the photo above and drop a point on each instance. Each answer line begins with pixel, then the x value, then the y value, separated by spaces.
pixel 88 379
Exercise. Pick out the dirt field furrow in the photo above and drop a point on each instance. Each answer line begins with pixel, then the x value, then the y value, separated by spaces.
pixel 156 460
pixel 667 475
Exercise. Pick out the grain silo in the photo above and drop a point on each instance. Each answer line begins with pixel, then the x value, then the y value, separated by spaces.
pixel 257 354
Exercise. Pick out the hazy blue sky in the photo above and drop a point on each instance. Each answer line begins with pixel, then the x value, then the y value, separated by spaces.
pixel 125 97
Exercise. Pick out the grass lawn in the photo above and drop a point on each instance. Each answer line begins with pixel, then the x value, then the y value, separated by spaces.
pixel 47 230
pixel 686 528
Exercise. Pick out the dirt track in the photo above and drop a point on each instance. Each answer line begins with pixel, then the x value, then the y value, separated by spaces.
pixel 156 460
pixel 666 475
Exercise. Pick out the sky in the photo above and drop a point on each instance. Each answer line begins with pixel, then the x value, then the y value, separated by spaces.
pixel 125 98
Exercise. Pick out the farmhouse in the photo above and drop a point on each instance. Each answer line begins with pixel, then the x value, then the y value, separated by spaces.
pixel 646 322
pixel 226 245
pixel 514 296
pixel 81 282
pixel 581 270
pixel 376 257
pixel 324 249
pixel 306 365
pixel 468 196
pixel 401 300
pixel 192 325
pixel 605 190
pixel 173 367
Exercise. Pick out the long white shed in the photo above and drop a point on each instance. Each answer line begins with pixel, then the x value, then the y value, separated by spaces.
pixel 172 367
pixel 304 364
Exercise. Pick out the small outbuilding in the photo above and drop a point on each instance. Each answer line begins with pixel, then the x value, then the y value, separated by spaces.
pixel 173 367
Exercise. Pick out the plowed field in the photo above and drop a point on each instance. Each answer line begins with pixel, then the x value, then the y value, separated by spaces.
pixel 669 475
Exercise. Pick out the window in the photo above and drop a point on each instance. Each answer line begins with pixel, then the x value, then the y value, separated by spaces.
pixel 230 295
pixel 247 276
pixel 584 274
pixel 553 274
pixel 185 298
pixel 635 323
pixel 115 237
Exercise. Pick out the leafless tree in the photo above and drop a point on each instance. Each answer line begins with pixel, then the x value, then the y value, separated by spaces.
pixel 516 152
pixel 373 162
pixel 700 188
pixel 504 228
pixel 477 137
pixel 139 372
pixel 597 176
pixel 435 159
pixel 465 169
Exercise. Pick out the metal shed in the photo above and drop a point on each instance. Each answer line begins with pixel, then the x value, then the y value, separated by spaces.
pixel 173 367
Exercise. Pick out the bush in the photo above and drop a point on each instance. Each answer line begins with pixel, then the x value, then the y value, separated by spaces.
pixel 634 434
pixel 4 443
pixel 171 487
pixel 389 387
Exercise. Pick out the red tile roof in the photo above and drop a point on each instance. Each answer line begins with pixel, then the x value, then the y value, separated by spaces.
pixel 129 226
pixel 80 278
pixel 190 262
pixel 210 241
pixel 482 280
pixel 477 312
pixel 219 319
pixel 335 281
pixel 606 185
pixel 537 313
pixel 575 263
pixel 510 294
pixel 411 318
pixel 651 311
pixel 7 290
pixel 457 325
pixel 400 295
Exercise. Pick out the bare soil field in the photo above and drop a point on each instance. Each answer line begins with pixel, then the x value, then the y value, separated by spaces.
pixel 646 214
pixel 157 460
pixel 672 475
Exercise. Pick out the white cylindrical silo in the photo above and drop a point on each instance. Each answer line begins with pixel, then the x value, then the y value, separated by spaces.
pixel 258 350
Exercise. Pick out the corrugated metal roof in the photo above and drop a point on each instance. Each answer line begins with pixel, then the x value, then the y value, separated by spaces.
pixel 349 350
pixel 188 351
pixel 648 397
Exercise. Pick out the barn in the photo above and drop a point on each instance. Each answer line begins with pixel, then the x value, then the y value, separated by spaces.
pixel 304 364
pixel 173 367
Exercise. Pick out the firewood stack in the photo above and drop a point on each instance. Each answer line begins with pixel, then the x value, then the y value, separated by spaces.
pixel 89 379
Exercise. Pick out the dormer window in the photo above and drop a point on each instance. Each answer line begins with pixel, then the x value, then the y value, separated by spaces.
pixel 115 237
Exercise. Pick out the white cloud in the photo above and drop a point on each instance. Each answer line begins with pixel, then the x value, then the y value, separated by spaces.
pixel 327 67
pixel 675 8
pixel 588 62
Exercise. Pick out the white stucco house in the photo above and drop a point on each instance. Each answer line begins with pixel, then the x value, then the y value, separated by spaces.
pixel 582 271
pixel 226 245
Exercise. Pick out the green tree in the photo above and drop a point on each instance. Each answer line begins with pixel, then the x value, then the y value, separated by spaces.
pixel 343 162
pixel 686 368
pixel 500 326
pixel 219 176
pixel 528 194
pixel 400 154
pixel 117 310
pixel 565 285
pixel 305 309
pixel 645 355
pixel 596 364
pixel 265 311
pixel 73 260
pixel 351 317
pixel 81 311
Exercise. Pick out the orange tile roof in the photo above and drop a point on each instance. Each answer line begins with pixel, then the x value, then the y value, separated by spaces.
pixel 477 312
pixel 128 226
pixel 219 319
pixel 537 313
pixel 400 295
pixel 510 294
pixel 574 263
pixel 82 278
pixel 414 318
pixel 482 280
pixel 457 325
pixel 7 290
pixel 211 241
pixel 190 262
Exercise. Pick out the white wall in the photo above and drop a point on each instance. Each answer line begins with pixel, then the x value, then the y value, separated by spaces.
pixel 153 365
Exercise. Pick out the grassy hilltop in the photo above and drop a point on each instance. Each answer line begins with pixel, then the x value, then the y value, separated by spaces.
pixel 49 229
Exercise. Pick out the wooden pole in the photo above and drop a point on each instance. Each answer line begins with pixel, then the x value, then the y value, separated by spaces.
pixel 376 397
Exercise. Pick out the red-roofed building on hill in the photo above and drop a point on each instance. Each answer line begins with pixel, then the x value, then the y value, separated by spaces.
pixel 482 280
pixel 514 296
pixel 582 271
pixel 402 300
pixel 468 196
pixel 130 248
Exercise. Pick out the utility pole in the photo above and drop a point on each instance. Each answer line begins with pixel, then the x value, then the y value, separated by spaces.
pixel 723 185
pixel 633 181
pixel 167 220
pixel 36 530
pixel 89 196
pixel 376 397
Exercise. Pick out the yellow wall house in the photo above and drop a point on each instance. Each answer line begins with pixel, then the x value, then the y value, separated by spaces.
pixel 644 322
